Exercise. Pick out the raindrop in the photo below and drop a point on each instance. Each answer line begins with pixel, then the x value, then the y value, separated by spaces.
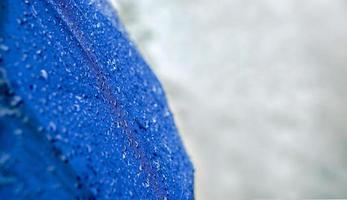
pixel 77 107
pixel 63 158
pixel 4 47
pixel 157 164
pixel 24 56
pixel 64 130
pixel 166 113
pixel 78 97
pixel 118 124
pixel 40 129
pixel 146 183
pixel 154 89
pixel 38 52
pixel 89 149
pixel 154 120
pixel 52 126
pixel 146 124
pixel 58 137
pixel 130 53
pixel 43 74
pixel 18 132
pixel 16 100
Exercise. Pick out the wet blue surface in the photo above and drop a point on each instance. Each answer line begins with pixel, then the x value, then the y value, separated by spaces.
pixel 82 115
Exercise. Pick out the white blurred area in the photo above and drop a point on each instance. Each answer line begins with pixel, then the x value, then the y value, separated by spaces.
pixel 258 90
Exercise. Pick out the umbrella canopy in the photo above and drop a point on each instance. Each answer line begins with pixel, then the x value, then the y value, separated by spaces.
pixel 81 113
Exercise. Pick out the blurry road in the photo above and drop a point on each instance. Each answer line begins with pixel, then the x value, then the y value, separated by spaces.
pixel 258 89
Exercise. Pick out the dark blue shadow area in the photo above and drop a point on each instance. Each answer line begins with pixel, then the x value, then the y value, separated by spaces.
pixel 81 114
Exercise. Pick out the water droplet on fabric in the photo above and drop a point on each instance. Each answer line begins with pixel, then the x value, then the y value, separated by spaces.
pixel 52 126
pixel 146 183
pixel 18 132
pixel 77 107
pixel 16 101
pixel 43 74
pixel 4 47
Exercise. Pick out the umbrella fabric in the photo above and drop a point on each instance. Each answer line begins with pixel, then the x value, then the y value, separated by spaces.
pixel 81 113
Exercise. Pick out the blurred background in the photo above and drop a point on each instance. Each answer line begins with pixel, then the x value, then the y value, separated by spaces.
pixel 258 90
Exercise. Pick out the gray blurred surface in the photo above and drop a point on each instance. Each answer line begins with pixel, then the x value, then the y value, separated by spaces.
pixel 258 89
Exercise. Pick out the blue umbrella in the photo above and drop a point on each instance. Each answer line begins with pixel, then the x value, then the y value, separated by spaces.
pixel 81 113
